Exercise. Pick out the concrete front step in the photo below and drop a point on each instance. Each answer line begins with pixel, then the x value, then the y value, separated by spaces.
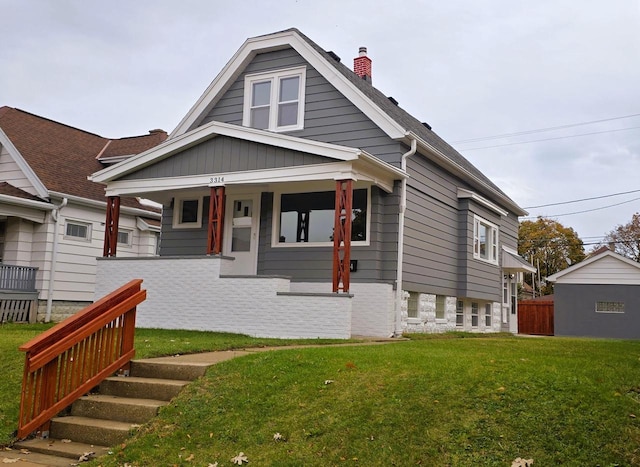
pixel 168 368
pixel 57 448
pixel 91 430
pixel 17 459
pixel 142 388
pixel 122 409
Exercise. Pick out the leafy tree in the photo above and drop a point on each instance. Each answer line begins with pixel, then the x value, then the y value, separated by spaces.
pixel 550 245
pixel 625 239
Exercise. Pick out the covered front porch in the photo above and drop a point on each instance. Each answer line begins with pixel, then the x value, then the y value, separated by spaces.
pixel 285 219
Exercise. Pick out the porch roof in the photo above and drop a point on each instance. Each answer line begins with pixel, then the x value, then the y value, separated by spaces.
pixel 348 163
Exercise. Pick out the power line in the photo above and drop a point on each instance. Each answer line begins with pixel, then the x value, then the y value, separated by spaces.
pixel 582 199
pixel 540 130
pixel 551 139
pixel 587 210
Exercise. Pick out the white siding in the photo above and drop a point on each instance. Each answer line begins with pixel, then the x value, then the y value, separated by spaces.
pixel 607 270
pixel 12 174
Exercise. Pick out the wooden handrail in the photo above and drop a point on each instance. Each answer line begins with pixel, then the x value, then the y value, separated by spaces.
pixel 71 358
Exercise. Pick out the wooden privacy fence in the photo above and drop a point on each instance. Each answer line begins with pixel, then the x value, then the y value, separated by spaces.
pixel 535 317
pixel 69 359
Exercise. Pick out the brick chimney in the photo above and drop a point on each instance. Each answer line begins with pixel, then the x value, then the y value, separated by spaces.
pixel 362 65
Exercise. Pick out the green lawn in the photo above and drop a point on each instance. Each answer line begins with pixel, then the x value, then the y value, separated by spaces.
pixel 149 343
pixel 431 401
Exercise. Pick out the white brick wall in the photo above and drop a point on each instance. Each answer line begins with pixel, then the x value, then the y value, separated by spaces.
pixel 188 293
pixel 372 310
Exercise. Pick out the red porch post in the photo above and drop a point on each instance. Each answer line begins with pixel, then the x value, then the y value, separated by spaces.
pixel 111 226
pixel 342 235
pixel 216 220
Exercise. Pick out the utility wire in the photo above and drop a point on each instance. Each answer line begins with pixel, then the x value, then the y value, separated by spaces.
pixel 582 199
pixel 540 130
pixel 551 139
pixel 587 210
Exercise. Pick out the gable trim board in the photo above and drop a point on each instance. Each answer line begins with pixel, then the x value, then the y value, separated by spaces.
pixel 284 39
pixel 37 184
pixel 606 268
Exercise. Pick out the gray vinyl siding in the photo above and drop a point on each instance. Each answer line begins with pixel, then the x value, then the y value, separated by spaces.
pixel 223 154
pixel 575 315
pixel 376 262
pixel 329 116
pixel 183 242
pixel 509 231
pixel 438 248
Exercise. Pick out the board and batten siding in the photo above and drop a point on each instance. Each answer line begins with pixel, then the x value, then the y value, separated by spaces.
pixel 329 116
pixel 222 154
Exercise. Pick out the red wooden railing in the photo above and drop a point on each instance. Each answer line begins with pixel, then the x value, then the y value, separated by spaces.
pixel 71 358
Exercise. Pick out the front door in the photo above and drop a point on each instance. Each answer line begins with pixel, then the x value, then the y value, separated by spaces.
pixel 242 220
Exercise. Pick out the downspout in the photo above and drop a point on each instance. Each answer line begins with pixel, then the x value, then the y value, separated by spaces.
pixel 402 208
pixel 54 258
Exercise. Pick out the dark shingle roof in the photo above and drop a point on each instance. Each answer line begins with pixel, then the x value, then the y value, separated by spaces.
pixel 402 117
pixel 10 190
pixel 62 156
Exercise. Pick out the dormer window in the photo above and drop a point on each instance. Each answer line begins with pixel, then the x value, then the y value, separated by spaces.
pixel 275 101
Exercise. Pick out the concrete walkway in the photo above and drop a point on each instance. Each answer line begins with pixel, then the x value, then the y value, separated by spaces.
pixel 18 458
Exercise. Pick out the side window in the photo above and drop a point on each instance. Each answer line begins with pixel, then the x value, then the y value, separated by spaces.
pixel 77 230
pixel 187 213
pixel 485 240
pixel 441 301
pixel 460 313
pixel 124 237
pixel 474 314
pixel 412 305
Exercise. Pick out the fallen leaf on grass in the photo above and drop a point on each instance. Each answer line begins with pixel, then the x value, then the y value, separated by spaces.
pixel 215 464
pixel 190 458
pixel 519 462
pixel 328 381
pixel 240 459
pixel 278 437
pixel 632 415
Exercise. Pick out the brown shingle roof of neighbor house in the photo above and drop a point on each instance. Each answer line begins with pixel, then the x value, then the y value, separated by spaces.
pixel 63 156
pixel 10 190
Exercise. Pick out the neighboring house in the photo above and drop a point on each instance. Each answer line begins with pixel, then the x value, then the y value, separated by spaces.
pixel 599 297
pixel 52 216
pixel 285 153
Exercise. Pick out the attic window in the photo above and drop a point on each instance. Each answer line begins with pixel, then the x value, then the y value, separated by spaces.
pixel 275 101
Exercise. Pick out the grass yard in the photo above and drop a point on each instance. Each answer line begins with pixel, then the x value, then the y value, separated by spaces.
pixel 435 402
pixel 149 343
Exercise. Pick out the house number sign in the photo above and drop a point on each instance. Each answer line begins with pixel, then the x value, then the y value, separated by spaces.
pixel 216 179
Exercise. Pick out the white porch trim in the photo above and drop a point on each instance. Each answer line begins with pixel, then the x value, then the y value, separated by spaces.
pixel 26 169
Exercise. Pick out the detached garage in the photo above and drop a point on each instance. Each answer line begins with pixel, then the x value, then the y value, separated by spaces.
pixel 599 297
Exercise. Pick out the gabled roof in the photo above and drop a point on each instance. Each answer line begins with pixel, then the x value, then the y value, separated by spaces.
pixel 395 121
pixel 599 257
pixel 58 158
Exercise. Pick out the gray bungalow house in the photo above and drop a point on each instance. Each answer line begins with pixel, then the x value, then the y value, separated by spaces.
pixel 300 201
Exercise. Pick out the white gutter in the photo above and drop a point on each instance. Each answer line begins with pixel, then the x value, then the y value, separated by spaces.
pixel 29 203
pixel 103 205
pixel 403 206
pixel 54 257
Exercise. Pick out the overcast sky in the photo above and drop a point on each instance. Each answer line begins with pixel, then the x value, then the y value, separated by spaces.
pixel 472 69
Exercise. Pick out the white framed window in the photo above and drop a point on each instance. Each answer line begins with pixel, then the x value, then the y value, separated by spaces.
pixel 412 305
pixel 77 230
pixel 460 313
pixel 488 310
pixel 124 237
pixel 609 307
pixel 474 314
pixel 306 219
pixel 187 213
pixel 275 101
pixel 485 240
pixel 441 302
